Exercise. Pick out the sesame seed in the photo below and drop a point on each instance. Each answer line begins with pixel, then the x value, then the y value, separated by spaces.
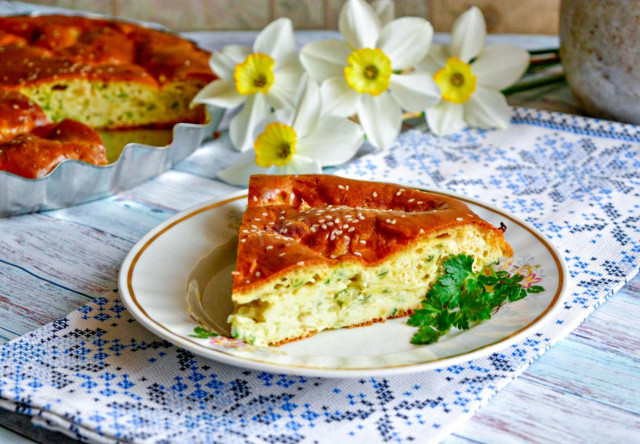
pixel 301 263
pixel 235 273
pixel 357 253
pixel 243 240
pixel 345 226
pixel 247 281
pixel 363 242
pixel 347 187
pixel 341 187
pixel 257 219
pixel 265 214
pixel 420 202
pixel 324 226
pixel 255 199
pixel 257 274
pixel 313 229
pixel 421 231
pixel 270 247
pixel 245 231
pixel 411 200
pixel 375 194
pixel 459 219
pixel 281 254
pixel 352 229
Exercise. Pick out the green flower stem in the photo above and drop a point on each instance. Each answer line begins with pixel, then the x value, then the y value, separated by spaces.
pixel 532 84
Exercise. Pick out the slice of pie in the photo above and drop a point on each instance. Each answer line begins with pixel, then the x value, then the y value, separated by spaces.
pixel 321 252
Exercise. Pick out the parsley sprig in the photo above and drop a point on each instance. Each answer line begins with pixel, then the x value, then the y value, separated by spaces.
pixel 461 297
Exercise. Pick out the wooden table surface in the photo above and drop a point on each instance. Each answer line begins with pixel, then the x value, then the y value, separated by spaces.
pixel 585 389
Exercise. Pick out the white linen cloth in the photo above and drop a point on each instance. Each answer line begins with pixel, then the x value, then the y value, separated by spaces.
pixel 99 376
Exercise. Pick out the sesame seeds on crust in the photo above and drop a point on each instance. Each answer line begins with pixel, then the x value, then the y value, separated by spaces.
pixel 311 232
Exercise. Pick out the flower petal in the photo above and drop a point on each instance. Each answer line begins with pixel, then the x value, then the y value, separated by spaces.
pixel 435 59
pixel 307 112
pixel 220 93
pixel 242 169
pixel 487 108
pixel 385 9
pixel 243 124
pixel 325 59
pixel 468 35
pixel 338 98
pixel 285 85
pixel 415 91
pixel 277 40
pixel 299 165
pixel 446 118
pixel 381 119
pixel 224 62
pixel 500 66
pixel 406 41
pixel 335 141
pixel 359 24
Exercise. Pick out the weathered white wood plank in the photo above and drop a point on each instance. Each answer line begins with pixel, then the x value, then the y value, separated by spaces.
pixel 8 437
pixel 30 302
pixel 590 371
pixel 124 218
pixel 531 412
pixel 176 190
pixel 582 372
pixel 610 328
pixel 70 255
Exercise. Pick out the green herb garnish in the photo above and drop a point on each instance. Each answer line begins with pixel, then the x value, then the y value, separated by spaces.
pixel 461 297
pixel 203 333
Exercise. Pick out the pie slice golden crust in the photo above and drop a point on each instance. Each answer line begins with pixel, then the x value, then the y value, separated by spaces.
pixel 320 252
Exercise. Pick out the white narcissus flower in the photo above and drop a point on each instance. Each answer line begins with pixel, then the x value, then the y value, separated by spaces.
pixel 371 72
pixel 301 143
pixel 261 77
pixel 471 76
pixel 386 10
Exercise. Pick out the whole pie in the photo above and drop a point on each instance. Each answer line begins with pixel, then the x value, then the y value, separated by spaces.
pixel 318 252
pixel 103 74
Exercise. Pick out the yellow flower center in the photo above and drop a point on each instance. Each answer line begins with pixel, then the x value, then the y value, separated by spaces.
pixel 456 81
pixel 368 71
pixel 276 145
pixel 255 74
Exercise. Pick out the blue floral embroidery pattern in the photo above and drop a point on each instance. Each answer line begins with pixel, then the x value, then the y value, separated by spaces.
pixel 98 375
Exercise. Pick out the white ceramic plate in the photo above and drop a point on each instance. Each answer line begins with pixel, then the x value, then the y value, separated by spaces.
pixel 199 244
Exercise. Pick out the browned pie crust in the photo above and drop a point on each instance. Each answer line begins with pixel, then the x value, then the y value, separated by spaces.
pixel 35 154
pixel 296 221
pixel 39 49
pixel 18 115
pixel 53 49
